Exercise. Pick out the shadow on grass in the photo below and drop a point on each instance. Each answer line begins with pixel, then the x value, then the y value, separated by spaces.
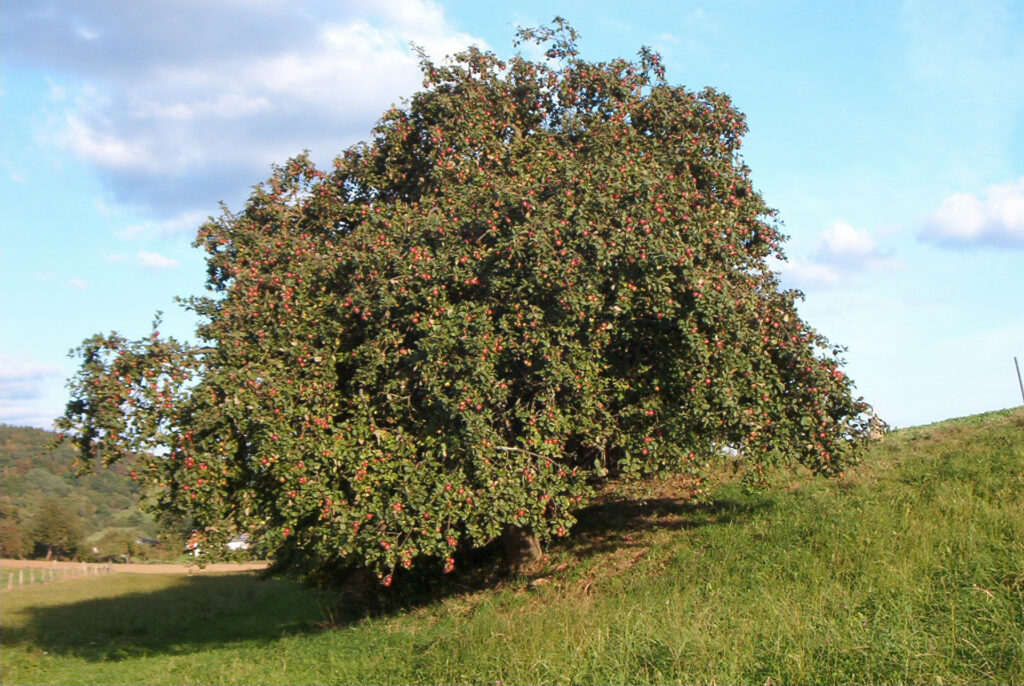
pixel 188 614
pixel 610 524
pixel 211 611
pixel 614 523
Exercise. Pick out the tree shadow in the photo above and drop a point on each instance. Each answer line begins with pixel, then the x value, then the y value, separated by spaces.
pixel 209 611
pixel 191 613
pixel 613 522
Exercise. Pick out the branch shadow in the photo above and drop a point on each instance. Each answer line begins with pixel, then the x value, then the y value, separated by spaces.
pixel 615 523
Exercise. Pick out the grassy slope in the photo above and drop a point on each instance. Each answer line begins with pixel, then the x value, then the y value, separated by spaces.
pixel 909 570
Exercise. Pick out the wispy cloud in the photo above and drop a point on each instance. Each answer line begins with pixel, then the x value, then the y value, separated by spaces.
pixel 995 217
pixel 839 255
pixel 22 384
pixel 806 274
pixel 56 92
pixel 105 148
pixel 182 222
pixel 155 260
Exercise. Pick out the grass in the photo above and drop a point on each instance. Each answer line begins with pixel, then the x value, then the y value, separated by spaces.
pixel 28 575
pixel 909 570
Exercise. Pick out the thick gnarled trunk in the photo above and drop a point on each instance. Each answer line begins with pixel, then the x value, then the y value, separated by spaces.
pixel 522 549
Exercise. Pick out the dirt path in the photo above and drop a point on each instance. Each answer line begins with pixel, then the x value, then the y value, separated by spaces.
pixel 139 568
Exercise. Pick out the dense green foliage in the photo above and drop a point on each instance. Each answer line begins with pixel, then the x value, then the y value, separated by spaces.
pixel 36 475
pixel 57 529
pixel 535 274
pixel 908 570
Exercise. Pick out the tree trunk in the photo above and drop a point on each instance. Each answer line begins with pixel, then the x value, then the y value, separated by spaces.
pixel 522 549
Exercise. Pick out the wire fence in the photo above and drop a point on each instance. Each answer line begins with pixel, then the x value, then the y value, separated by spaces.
pixel 18 577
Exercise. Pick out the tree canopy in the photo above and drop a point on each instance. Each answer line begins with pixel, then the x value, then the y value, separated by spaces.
pixel 57 528
pixel 534 275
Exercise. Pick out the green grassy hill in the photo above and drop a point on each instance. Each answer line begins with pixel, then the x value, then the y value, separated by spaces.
pixel 33 473
pixel 909 570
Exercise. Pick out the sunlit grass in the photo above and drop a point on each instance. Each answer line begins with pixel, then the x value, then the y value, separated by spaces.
pixel 910 570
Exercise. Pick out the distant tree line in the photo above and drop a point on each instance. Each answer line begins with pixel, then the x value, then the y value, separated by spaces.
pixel 49 510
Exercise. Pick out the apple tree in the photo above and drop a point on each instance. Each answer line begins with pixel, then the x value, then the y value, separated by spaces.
pixel 533 276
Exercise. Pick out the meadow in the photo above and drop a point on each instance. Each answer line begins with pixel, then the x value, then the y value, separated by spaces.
pixel 908 570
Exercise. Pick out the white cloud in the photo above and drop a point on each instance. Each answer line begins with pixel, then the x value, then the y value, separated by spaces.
pixel 86 33
pixel 843 243
pixel 15 372
pixel 413 16
pixel 107 149
pixel 183 222
pixel 22 384
pixel 840 253
pixel 155 260
pixel 804 274
pixel 995 217
pixel 79 284
pixel 56 92
pixel 176 113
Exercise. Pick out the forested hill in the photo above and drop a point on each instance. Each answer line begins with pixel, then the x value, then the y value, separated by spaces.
pixel 34 474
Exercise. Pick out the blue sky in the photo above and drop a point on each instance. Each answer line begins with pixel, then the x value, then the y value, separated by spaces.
pixel 890 137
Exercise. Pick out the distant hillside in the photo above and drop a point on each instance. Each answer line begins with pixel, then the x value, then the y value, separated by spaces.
pixel 34 475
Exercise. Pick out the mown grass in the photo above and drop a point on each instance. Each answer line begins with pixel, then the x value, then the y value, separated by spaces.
pixel 910 570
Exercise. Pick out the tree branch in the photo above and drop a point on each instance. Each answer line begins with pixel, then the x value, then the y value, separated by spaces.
pixel 511 449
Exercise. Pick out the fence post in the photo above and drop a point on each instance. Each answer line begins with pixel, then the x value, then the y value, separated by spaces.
pixel 1019 382
pixel 21 577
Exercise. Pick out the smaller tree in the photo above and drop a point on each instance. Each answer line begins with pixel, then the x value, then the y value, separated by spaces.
pixel 118 544
pixel 12 543
pixel 174 530
pixel 56 529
